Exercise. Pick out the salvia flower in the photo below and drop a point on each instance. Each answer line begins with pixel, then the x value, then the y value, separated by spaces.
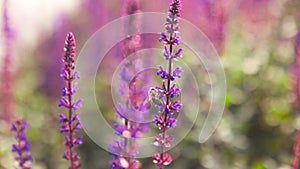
pixel 70 123
pixel 164 120
pixel 22 148
pixel 162 160
pixel 163 140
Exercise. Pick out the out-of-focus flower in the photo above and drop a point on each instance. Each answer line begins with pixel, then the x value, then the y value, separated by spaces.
pixel 295 70
pixel 7 77
pixel 295 74
pixel 124 150
pixel 295 160
pixel 22 148
pixel 70 123
pixel 258 18
pixel 212 18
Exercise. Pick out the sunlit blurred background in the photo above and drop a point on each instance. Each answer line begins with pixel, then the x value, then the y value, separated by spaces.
pixel 255 41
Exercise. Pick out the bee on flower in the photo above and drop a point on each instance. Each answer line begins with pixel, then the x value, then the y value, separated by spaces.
pixel 155 96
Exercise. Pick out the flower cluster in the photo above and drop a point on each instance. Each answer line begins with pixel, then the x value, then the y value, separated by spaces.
pixel 70 123
pixel 120 159
pixel 165 119
pixel 22 148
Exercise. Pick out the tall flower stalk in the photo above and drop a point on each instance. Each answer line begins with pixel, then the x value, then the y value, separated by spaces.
pixel 70 122
pixel 6 88
pixel 295 73
pixel 125 149
pixel 22 147
pixel 170 106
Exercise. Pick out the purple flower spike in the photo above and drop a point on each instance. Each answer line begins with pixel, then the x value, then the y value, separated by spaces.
pixel 22 148
pixel 165 120
pixel 70 123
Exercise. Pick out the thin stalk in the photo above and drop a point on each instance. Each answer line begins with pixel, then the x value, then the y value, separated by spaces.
pixel 70 117
pixel 168 90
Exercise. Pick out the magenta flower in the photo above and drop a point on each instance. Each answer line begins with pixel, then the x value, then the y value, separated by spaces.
pixel 162 160
pixel 70 123
pixel 22 148
pixel 295 72
pixel 165 120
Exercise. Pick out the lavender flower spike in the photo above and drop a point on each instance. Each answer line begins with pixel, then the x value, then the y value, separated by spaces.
pixel 70 123
pixel 22 148
pixel 164 119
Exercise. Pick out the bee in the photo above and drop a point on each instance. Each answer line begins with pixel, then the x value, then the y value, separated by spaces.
pixel 155 96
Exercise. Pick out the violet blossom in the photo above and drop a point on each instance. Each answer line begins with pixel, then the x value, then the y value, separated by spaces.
pixel 70 122
pixel 22 148
pixel 164 120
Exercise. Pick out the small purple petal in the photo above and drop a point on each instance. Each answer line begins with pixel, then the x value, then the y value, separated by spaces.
pixel 13 127
pixel 162 72
pixel 78 140
pixel 77 104
pixel 177 72
pixel 178 53
pixel 163 37
pixel 118 128
pixel 63 102
pixel 176 106
pixel 77 126
pixel 171 122
pixel 62 118
pixel 76 75
pixel 166 53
